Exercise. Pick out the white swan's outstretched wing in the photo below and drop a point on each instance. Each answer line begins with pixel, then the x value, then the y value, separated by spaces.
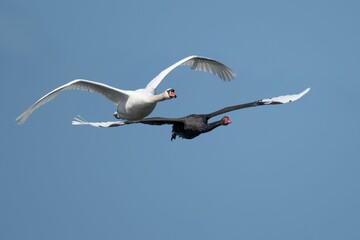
pixel 286 98
pixel 197 63
pixel 113 94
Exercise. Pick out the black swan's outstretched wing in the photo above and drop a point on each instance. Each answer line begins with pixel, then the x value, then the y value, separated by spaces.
pixel 150 121
pixel 267 101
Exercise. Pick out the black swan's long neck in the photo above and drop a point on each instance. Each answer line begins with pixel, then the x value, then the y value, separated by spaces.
pixel 212 126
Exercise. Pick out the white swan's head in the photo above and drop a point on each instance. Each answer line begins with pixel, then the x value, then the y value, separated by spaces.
pixel 170 93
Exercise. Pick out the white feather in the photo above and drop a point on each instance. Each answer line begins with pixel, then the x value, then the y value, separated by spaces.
pixel 81 121
pixel 197 63
pixel 286 98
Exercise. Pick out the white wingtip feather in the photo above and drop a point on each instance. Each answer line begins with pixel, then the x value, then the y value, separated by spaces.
pixel 81 121
pixel 286 98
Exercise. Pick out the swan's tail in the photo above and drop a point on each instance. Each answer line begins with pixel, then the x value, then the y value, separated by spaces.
pixel 81 121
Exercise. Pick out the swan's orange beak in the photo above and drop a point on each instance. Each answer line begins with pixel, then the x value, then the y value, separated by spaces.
pixel 172 94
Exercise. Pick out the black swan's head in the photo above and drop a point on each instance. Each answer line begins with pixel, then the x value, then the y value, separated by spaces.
pixel 225 120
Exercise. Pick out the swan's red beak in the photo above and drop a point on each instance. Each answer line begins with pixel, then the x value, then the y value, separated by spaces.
pixel 227 120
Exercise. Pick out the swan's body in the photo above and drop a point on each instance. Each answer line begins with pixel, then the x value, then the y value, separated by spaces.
pixel 134 105
pixel 193 125
pixel 140 103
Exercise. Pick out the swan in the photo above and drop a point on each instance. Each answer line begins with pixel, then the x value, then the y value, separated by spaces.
pixel 137 104
pixel 193 125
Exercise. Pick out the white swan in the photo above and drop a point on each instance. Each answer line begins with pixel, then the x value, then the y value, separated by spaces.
pixel 133 105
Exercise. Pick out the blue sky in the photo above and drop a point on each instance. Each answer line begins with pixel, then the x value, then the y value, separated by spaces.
pixel 276 172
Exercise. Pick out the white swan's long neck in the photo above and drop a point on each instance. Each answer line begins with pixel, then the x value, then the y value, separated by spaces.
pixel 160 97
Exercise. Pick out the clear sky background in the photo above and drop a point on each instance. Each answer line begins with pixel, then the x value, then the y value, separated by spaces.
pixel 277 172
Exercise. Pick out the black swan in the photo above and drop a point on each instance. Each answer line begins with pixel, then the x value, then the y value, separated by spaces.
pixel 193 125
